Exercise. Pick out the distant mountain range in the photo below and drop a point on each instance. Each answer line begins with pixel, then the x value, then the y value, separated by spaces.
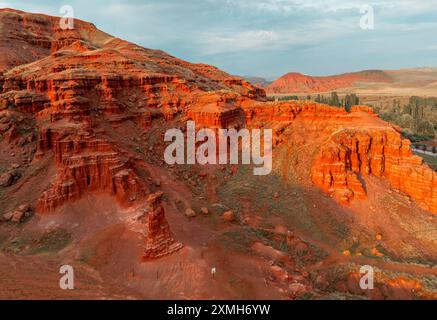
pixel 258 81
pixel 413 81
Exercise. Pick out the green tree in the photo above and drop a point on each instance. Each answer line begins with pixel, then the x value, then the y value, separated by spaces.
pixel 335 101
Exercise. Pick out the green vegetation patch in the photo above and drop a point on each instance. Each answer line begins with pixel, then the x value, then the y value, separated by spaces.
pixel 242 238
pixel 431 161
pixel 256 194
pixel 29 244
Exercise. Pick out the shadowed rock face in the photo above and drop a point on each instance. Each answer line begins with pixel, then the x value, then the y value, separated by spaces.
pixel 352 146
pixel 71 84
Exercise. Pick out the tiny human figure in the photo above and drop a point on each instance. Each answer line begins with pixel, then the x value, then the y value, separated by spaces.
pixel 213 272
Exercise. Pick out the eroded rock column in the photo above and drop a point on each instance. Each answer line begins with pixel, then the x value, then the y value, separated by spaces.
pixel 159 241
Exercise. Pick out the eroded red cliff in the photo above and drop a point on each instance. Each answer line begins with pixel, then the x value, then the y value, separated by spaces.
pixel 350 154
pixel 77 86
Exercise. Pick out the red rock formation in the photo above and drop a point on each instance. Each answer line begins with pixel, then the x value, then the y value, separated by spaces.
pixel 159 241
pixel 217 110
pixel 99 107
pixel 24 101
pixel 83 78
pixel 216 115
pixel 86 164
pixel 288 111
pixel 299 83
pixel 351 153
pixel 358 144
pixel 27 37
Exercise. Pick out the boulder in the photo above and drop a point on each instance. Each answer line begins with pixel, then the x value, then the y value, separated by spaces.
pixel 190 213
pixel 9 178
pixel 279 273
pixel 8 216
pixel 23 212
pixel 6 179
pixel 229 216
pixel 15 165
pixel 296 290
pixel 17 216
pixel 24 207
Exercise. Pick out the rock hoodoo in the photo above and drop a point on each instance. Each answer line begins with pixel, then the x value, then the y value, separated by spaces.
pixel 159 241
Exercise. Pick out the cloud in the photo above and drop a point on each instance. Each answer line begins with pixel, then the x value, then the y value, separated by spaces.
pixel 216 43
pixel 267 37
pixel 285 36
pixel 293 6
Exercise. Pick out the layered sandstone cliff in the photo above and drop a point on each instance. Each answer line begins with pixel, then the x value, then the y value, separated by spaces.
pixel 76 86
pixel 72 81
pixel 353 145
pixel 85 164
pixel 350 154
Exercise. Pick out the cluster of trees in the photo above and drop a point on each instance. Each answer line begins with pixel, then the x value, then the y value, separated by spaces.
pixel 333 100
pixel 288 98
pixel 347 102
pixel 419 107
pixel 418 118
pixel 426 148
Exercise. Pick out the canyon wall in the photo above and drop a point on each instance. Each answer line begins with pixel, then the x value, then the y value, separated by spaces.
pixel 356 144
pixel 351 154
pixel 78 85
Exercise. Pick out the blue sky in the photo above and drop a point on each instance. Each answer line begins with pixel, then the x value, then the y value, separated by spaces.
pixel 268 37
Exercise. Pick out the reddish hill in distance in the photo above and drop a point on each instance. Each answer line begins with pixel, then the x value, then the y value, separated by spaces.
pixel 294 82
pixel 258 81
